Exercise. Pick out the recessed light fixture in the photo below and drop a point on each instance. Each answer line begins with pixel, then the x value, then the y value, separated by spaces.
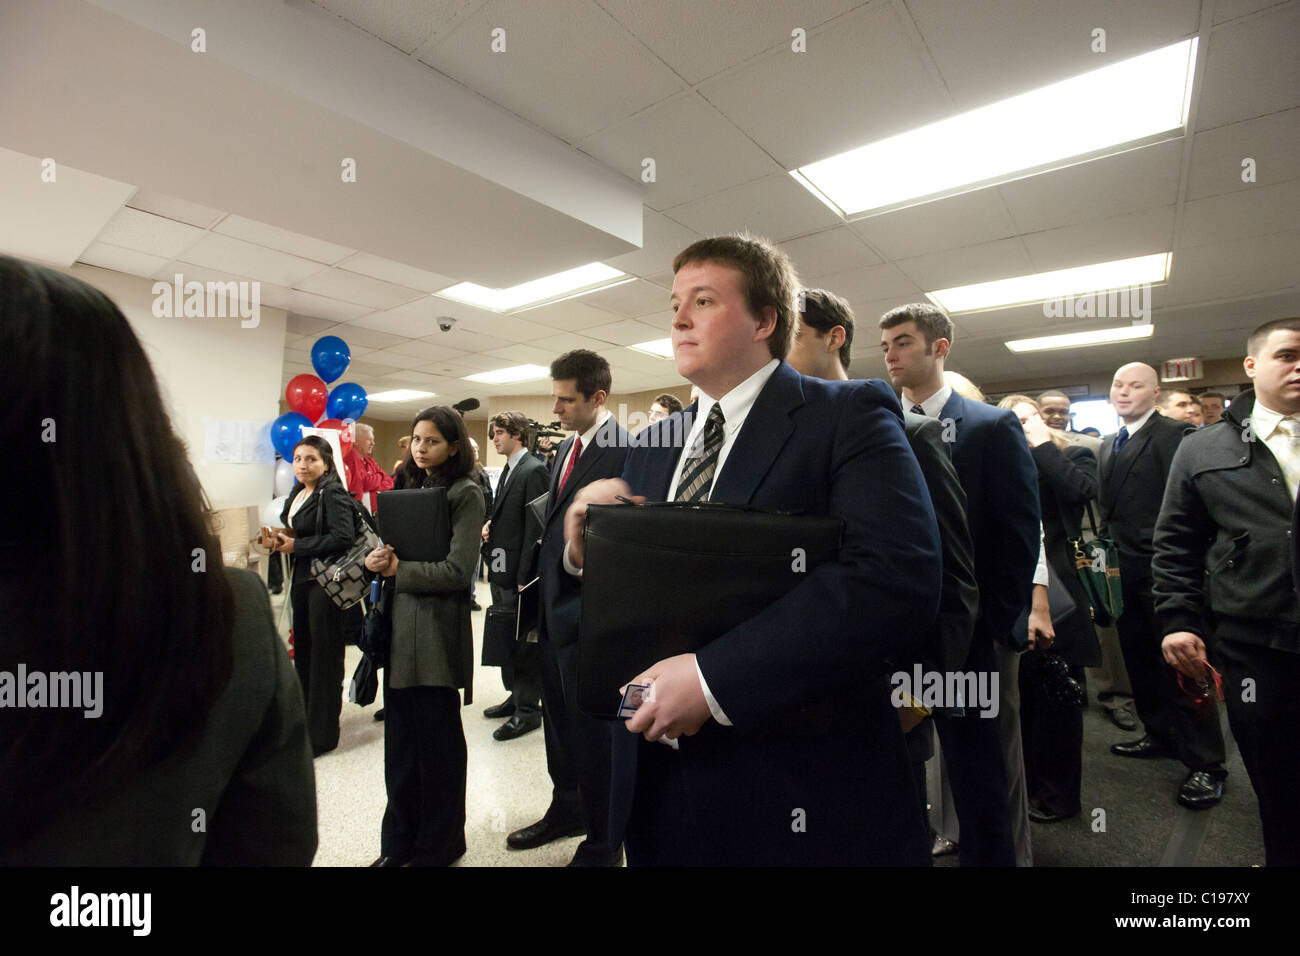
pixel 1073 340
pixel 1135 102
pixel 659 348
pixel 398 395
pixel 502 376
pixel 553 288
pixel 1057 284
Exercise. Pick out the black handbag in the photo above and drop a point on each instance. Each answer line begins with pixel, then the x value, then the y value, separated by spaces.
pixel 727 562
pixel 344 579
pixel 1097 564
pixel 499 627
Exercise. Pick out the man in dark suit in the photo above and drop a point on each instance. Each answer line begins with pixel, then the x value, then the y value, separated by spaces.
pixel 1001 485
pixel 578 747
pixel 822 348
pixel 1234 485
pixel 508 534
pixel 788 749
pixel 1134 469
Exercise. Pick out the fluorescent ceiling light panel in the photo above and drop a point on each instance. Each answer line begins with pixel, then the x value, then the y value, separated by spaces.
pixel 562 285
pixel 1131 103
pixel 398 395
pixel 519 373
pixel 659 348
pixel 1074 340
pixel 1059 283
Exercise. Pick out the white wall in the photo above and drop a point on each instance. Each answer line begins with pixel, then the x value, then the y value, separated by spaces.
pixel 206 367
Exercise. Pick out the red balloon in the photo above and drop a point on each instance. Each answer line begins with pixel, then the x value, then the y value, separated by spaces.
pixel 307 395
pixel 346 438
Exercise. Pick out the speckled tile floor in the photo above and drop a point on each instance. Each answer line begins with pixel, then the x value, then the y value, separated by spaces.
pixel 508 784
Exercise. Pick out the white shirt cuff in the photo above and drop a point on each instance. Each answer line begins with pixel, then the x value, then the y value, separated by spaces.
pixel 1040 572
pixel 569 565
pixel 714 708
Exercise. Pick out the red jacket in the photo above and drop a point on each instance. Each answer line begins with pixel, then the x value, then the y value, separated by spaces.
pixel 366 479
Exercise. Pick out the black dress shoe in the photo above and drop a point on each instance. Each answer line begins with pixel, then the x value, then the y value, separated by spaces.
pixel 379 714
pixel 391 861
pixel 1147 746
pixel 504 709
pixel 1201 789
pixel 942 847
pixel 475 606
pixel 517 726
pixel 1123 718
pixel 1040 814
pixel 587 859
pixel 543 832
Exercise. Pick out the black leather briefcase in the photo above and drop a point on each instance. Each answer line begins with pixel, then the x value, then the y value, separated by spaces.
pixel 667 578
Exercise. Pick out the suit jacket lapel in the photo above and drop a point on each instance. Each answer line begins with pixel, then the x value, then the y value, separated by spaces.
pixel 1122 463
pixel 767 428
pixel 954 408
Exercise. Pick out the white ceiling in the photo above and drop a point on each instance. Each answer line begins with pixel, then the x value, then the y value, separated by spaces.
pixel 712 92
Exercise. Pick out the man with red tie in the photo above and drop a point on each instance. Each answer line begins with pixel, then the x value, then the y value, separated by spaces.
pixel 578 747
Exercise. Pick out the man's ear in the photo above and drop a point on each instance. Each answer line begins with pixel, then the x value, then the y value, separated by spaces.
pixel 766 323
pixel 1249 365
pixel 940 348
pixel 835 338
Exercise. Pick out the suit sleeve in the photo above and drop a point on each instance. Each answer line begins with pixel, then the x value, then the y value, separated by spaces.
pixel 1182 535
pixel 1072 473
pixel 338 525
pixel 1013 481
pixel 847 619
pixel 267 813
pixel 453 573
pixel 959 594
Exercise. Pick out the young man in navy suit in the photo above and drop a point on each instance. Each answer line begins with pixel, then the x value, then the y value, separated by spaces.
pixel 578 747
pixel 1001 485
pixel 788 750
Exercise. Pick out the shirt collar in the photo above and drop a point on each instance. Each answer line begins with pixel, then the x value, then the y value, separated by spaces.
pixel 737 402
pixel 589 435
pixel 1133 429
pixel 934 404
pixel 1264 420
pixel 513 460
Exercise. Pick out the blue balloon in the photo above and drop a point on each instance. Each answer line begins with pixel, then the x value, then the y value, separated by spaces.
pixel 346 401
pixel 286 431
pixel 330 357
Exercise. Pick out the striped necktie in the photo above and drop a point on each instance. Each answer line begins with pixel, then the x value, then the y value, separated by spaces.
pixel 697 474
pixel 1287 453
pixel 918 410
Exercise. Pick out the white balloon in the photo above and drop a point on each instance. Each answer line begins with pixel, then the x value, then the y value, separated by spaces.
pixel 283 478
pixel 271 513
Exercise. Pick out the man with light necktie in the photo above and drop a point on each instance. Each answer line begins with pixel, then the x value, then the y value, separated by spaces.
pixel 1134 469
pixel 1234 484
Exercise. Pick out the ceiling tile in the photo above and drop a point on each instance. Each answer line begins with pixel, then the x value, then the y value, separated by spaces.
pixel 1251 68
pixel 832 250
pixel 406 24
pixel 869 78
pixel 627 332
pixel 409 324
pixel 534 77
pixel 1236 269
pixel 872 284
pixel 963 220
pixel 661 240
pixel 355 334
pixel 563 342
pixel 1225 10
pixel 307 325
pixel 273 237
pixel 631 298
pixel 363 290
pixel 145 232
pixel 308 304
pixel 1258 211
pixel 775 207
pixel 180 210
pixel 1136 234
pixel 994 49
pixel 697 151
pixel 244 258
pixel 121 260
pixel 1138 179
pixel 1001 259
pixel 522 355
pixel 425 349
pixel 570 315
pixel 1273 142
pixel 397 273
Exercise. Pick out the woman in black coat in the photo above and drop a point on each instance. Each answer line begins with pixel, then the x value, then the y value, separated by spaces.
pixel 1053 733
pixel 321 523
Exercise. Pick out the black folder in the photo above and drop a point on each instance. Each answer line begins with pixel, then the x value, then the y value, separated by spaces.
pixel 668 578
pixel 416 522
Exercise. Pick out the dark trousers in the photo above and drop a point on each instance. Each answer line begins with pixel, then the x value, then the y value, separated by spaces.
pixel 1052 735
pixel 318 658
pixel 1265 730
pixel 972 753
pixel 579 755
pixel 424 771
pixel 1168 715
pixel 522 675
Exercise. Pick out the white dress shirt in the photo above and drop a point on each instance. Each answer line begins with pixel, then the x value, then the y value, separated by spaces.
pixel 1264 422
pixel 934 404
pixel 1133 429
pixel 512 463
pixel 586 437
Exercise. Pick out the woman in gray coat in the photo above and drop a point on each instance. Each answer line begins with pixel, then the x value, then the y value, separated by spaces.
pixel 431 658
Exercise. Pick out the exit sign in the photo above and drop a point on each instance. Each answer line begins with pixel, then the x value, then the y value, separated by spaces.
pixel 1181 370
